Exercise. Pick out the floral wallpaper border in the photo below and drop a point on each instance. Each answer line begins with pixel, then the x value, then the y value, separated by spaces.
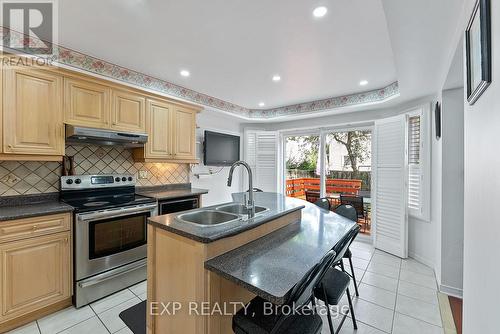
pixel 76 59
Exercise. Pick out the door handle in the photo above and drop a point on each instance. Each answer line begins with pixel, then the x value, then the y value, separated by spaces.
pixel 114 274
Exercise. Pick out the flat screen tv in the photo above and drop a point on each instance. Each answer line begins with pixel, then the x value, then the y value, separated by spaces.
pixel 221 149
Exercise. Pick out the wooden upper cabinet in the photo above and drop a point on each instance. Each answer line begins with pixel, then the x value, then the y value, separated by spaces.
pixel 172 133
pixel 32 112
pixel 184 133
pixel 159 124
pixel 36 273
pixel 86 103
pixel 128 111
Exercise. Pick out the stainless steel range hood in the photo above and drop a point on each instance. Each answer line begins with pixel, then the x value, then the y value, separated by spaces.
pixel 79 134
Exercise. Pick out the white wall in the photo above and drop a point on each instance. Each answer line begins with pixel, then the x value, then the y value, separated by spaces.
pixel 218 191
pixel 452 214
pixel 482 199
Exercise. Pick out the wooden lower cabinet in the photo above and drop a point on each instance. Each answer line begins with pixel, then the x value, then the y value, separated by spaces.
pixel 35 276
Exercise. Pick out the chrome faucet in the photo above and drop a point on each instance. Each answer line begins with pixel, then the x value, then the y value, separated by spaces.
pixel 250 205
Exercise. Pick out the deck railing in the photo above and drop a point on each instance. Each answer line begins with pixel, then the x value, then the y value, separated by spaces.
pixel 298 187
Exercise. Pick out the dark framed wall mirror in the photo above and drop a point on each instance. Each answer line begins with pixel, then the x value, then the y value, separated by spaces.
pixel 437 119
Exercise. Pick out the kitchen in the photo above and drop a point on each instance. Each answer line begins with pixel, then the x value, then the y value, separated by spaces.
pixel 162 172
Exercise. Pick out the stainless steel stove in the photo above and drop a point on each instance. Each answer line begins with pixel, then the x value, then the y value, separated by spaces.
pixel 110 233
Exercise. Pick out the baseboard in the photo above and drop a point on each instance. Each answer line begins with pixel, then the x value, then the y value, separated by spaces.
pixel 451 291
pixel 422 259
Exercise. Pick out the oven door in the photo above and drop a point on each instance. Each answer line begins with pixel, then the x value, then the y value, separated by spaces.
pixel 110 239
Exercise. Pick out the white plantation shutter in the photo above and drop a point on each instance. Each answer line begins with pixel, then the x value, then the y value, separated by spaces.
pixel 415 177
pixel 390 200
pixel 261 148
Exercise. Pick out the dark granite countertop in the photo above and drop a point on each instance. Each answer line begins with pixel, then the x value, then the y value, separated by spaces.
pixel 277 204
pixel 24 206
pixel 170 191
pixel 272 265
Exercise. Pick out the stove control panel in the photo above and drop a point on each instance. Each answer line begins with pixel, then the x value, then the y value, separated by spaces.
pixel 96 181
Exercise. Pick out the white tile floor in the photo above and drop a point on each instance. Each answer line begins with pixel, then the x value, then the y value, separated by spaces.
pixel 100 317
pixel 396 296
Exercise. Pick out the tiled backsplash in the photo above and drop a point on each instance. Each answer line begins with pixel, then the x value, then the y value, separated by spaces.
pixel 33 177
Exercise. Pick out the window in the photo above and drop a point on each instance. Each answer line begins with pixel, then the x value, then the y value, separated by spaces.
pixel 418 167
pixel 414 170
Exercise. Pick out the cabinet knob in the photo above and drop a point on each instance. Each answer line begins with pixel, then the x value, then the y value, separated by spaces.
pixel 65 240
pixel 9 146
pixel 35 227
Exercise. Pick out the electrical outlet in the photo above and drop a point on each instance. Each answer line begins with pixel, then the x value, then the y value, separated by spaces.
pixel 143 174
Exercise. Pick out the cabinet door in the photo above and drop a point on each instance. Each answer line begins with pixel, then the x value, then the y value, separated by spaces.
pixel 129 112
pixel 35 273
pixel 184 132
pixel 33 115
pixel 159 124
pixel 86 103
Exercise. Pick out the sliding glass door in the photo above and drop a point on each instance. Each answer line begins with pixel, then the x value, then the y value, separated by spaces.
pixel 302 166
pixel 331 163
pixel 348 171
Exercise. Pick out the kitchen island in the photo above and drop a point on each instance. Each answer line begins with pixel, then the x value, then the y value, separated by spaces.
pixel 196 270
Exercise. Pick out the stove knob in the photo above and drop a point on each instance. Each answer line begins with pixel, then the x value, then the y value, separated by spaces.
pixel 130 178
pixel 78 181
pixel 124 179
pixel 69 181
pixel 117 179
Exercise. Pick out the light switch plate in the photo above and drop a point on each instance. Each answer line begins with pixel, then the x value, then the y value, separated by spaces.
pixel 143 174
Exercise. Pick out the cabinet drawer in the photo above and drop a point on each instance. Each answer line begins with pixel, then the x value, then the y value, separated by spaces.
pixel 35 226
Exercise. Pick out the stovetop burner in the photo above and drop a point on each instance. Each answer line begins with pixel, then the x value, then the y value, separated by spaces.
pixel 100 192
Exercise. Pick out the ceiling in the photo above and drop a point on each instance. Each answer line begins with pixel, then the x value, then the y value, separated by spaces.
pixel 233 48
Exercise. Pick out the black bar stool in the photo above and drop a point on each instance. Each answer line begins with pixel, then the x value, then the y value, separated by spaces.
pixel 348 211
pixel 256 321
pixel 335 283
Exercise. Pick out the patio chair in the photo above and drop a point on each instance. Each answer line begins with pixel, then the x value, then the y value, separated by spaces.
pixel 358 204
pixel 312 196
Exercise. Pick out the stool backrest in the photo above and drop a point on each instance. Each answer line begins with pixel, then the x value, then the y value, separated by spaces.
pixel 302 292
pixel 323 203
pixel 342 246
pixel 348 211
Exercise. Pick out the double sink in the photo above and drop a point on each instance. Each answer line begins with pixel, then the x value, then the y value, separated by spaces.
pixel 223 214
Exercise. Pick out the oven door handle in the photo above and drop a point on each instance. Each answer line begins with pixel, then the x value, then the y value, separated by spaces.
pixel 112 274
pixel 115 213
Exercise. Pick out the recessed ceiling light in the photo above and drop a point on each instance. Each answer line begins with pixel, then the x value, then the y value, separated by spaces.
pixel 185 73
pixel 363 83
pixel 276 77
pixel 262 104
pixel 320 11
